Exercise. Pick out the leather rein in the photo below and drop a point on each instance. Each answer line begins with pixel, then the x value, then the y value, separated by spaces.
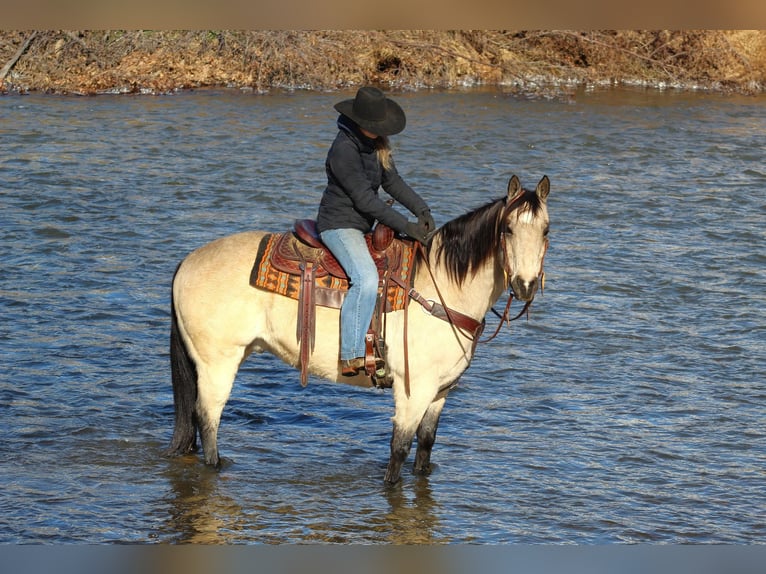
pixel 469 327
pixel 466 326
pixel 504 318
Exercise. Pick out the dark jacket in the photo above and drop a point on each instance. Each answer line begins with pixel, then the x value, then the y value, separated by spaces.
pixel 354 176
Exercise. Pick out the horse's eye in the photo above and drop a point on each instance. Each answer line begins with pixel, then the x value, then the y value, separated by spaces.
pixel 545 231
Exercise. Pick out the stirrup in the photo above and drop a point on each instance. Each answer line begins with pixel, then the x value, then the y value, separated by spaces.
pixel 358 365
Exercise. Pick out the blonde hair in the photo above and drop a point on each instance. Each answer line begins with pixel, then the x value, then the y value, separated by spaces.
pixel 383 149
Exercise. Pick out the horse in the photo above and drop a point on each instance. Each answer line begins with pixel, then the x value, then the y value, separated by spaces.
pixel 218 319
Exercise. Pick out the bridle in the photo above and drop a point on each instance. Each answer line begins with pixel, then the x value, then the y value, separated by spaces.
pixel 508 273
pixel 462 324
pixel 458 321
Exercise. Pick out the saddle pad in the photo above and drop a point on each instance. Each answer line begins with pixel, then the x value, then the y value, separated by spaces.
pixel 329 289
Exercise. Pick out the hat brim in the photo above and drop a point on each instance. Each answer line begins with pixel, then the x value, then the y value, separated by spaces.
pixel 393 122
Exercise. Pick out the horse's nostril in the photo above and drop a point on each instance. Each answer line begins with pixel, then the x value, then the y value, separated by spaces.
pixel 524 290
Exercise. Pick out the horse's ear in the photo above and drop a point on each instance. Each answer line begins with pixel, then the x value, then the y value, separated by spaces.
pixel 543 188
pixel 514 187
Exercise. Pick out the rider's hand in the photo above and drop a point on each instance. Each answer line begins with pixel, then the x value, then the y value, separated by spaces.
pixel 426 220
pixel 417 231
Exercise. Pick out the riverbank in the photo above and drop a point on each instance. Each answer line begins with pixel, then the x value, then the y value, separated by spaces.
pixel 115 61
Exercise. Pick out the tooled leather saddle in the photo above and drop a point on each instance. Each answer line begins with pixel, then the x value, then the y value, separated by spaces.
pixel 298 265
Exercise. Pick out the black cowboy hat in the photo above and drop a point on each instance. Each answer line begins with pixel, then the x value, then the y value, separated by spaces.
pixel 374 112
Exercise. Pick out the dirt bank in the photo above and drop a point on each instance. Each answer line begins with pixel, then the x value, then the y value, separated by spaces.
pixel 115 61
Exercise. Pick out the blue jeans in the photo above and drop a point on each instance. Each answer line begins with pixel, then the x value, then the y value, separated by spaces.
pixel 350 249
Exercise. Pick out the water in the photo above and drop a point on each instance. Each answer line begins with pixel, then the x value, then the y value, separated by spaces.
pixel 629 408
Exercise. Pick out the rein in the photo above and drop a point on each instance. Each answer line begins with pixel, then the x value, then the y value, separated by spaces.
pixel 506 269
pixel 462 324
pixel 469 327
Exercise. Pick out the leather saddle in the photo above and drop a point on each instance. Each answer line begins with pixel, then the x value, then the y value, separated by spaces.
pixel 299 265
pixel 294 251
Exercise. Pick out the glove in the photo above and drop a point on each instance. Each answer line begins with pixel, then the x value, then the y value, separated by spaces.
pixel 417 231
pixel 426 220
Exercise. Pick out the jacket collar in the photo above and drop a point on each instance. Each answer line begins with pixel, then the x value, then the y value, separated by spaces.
pixel 348 125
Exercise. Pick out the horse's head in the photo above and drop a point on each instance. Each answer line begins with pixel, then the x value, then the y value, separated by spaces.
pixel 524 227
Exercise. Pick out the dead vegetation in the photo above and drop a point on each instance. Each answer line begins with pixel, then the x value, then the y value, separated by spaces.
pixel 90 62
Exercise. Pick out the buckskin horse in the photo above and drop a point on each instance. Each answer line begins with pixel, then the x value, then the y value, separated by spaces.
pixel 219 318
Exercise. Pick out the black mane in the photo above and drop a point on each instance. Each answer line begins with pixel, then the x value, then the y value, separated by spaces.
pixel 468 241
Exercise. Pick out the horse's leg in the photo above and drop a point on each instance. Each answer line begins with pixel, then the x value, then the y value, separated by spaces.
pixel 213 390
pixel 401 442
pixel 184 377
pixel 407 419
pixel 426 434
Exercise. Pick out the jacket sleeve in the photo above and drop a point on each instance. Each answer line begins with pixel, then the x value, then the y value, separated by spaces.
pixel 397 188
pixel 348 170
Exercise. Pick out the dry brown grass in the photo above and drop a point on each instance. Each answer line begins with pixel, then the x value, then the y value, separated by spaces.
pixel 133 61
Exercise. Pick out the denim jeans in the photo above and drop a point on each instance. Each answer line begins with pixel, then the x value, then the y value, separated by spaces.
pixel 350 249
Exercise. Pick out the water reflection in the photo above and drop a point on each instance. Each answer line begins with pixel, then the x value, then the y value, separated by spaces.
pixel 198 511
pixel 413 514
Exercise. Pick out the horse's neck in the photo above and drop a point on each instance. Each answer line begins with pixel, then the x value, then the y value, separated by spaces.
pixel 474 297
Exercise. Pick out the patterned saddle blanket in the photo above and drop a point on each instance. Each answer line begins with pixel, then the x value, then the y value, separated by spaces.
pixel 283 259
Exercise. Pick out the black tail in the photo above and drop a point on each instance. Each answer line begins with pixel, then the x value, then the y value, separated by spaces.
pixel 184 375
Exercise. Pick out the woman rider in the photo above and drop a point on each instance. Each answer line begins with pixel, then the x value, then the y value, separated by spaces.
pixel 358 164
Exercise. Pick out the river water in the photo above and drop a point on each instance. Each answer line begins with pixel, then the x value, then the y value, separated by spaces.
pixel 628 408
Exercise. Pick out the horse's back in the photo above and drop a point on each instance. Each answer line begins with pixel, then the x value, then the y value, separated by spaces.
pixel 218 272
pixel 238 247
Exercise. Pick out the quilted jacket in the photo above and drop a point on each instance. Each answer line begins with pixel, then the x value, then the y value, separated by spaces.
pixel 354 177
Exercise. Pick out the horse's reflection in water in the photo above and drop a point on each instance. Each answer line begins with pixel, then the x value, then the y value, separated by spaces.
pixel 412 517
pixel 199 512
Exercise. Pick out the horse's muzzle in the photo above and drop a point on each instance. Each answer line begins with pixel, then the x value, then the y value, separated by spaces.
pixel 524 290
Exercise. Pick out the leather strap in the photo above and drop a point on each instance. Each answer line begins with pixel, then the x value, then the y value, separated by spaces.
pixel 306 320
pixel 369 352
pixel 468 325
pixel 406 352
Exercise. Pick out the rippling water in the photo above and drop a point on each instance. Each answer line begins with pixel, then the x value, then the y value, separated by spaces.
pixel 629 408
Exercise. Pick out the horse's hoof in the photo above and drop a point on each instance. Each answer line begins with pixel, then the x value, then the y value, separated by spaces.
pixel 214 462
pixel 391 481
pixel 422 471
